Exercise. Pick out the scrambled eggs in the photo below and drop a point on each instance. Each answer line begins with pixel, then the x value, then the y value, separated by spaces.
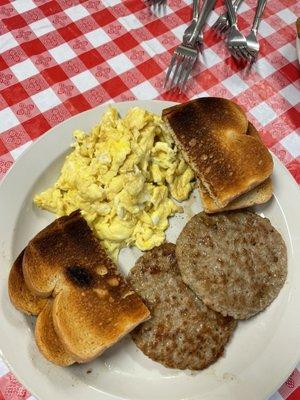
pixel 123 176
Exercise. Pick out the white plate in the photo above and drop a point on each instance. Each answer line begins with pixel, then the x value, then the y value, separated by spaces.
pixel 260 356
pixel 298 48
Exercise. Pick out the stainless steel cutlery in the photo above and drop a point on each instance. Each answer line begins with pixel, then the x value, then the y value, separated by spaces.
pixel 235 40
pixel 190 29
pixel 252 41
pixel 156 5
pixel 241 47
pixel 222 25
pixel 186 54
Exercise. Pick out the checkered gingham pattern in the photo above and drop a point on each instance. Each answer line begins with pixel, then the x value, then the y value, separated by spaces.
pixel 58 58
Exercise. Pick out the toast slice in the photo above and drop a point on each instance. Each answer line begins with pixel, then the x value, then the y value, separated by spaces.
pixel 93 304
pixel 44 260
pixel 28 303
pixel 20 296
pixel 259 195
pixel 47 340
pixel 215 138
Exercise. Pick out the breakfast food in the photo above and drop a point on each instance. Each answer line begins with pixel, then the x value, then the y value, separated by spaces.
pixel 27 302
pixel 120 184
pixel 21 297
pixel 93 306
pixel 222 147
pixel 183 333
pixel 259 195
pixel 298 27
pixel 236 262
pixel 123 176
pixel 47 340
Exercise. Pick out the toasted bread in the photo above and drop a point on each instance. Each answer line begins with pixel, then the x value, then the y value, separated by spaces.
pixel 93 305
pixel 27 302
pixel 40 265
pixel 47 340
pixel 215 138
pixel 21 297
pixel 259 195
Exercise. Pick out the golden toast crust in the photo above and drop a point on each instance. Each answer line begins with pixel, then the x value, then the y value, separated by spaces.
pixel 21 297
pixel 215 139
pixel 259 195
pixel 93 304
pixel 47 340
pixel 27 302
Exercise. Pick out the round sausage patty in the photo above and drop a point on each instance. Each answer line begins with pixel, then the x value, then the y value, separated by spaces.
pixel 182 333
pixel 236 262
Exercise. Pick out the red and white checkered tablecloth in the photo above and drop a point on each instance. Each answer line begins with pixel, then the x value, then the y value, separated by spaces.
pixel 58 58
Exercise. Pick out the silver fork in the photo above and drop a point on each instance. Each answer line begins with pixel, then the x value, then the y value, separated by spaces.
pixel 235 41
pixel 186 54
pixel 252 41
pixel 157 5
pixel 190 29
pixel 221 26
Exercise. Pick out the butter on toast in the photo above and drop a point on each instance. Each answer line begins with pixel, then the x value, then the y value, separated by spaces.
pixel 213 135
pixel 93 305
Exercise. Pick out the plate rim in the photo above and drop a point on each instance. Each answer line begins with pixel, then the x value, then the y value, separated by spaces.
pixel 44 136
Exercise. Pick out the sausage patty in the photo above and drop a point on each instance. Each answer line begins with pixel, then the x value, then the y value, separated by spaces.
pixel 236 262
pixel 182 333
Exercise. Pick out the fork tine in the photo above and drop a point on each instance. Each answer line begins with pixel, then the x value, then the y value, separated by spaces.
pixel 187 74
pixel 245 53
pixel 222 29
pixel 180 69
pixel 240 53
pixel 185 65
pixel 172 63
pixel 176 71
pixel 225 29
pixel 234 52
pixel 253 54
pixel 218 33
pixel 216 24
pixel 219 21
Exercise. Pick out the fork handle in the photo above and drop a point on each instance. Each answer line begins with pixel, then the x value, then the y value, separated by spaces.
pixel 258 14
pixel 207 7
pixel 236 4
pixel 195 9
pixel 231 12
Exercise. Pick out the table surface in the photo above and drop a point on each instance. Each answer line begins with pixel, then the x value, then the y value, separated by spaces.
pixel 59 58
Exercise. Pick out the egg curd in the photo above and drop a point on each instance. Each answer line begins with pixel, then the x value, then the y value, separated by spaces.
pixel 124 177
